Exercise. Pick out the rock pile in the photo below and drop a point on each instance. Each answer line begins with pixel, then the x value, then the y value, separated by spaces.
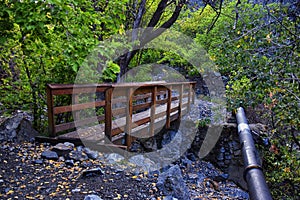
pixel 17 128
pixel 187 178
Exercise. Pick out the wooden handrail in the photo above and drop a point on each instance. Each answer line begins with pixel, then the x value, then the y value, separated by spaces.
pixel 130 101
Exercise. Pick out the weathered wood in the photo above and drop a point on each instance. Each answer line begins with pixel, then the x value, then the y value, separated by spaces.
pixel 180 101
pixel 168 111
pixel 128 138
pixel 50 106
pixel 139 116
pixel 75 107
pixel 153 107
pixel 108 114
pixel 65 89
pixel 71 125
pixel 189 97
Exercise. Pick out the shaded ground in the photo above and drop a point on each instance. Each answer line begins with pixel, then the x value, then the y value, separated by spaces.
pixel 25 175
pixel 22 178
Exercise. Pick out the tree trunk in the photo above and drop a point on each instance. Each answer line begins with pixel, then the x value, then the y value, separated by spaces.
pixel 151 32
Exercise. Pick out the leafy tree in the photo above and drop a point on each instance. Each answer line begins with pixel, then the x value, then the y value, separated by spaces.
pixel 46 42
pixel 156 17
pixel 257 47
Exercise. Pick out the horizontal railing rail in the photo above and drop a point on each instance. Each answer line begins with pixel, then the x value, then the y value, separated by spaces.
pixel 125 108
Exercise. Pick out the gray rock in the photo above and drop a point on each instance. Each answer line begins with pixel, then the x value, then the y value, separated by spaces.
pixel 38 161
pixel 69 144
pixel 114 157
pixel 91 154
pixel 169 198
pixel 61 159
pixel 93 172
pixel 69 162
pixel 76 190
pixel 145 163
pixel 50 155
pixel 62 149
pixel 17 128
pixel 92 197
pixel 171 183
pixel 78 156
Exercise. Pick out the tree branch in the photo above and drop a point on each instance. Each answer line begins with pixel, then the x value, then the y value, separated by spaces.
pixel 158 13
pixel 216 17
pixel 150 35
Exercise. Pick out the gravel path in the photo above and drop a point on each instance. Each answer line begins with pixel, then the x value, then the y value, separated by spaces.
pixel 24 174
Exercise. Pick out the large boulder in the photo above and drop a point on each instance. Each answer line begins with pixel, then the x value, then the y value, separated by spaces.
pixel 171 183
pixel 17 128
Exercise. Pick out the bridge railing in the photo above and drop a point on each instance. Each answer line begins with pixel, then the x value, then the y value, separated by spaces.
pixel 121 111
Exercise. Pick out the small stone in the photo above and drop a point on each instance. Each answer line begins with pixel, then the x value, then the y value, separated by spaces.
pixel 50 155
pixel 220 157
pixel 237 152
pixel 69 144
pixel 76 190
pixel 227 162
pixel 92 172
pixel 114 157
pixel 169 198
pixel 69 163
pixel 91 154
pixel 62 149
pixel 61 159
pixel 222 149
pixel 92 197
pixel 221 177
pixel 78 155
pixel 38 161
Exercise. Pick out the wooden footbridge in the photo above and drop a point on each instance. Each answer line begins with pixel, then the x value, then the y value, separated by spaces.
pixel 114 114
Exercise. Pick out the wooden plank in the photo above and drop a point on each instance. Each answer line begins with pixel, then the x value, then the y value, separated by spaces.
pixel 50 106
pixel 108 113
pixel 71 125
pixel 162 101
pixel 82 106
pixel 118 125
pixel 189 98
pixel 180 101
pixel 118 111
pixel 141 106
pixel 153 107
pixel 168 111
pixel 75 100
pixel 78 90
pixel 129 109
pixel 162 110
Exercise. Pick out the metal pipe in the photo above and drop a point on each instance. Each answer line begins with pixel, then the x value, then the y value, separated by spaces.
pixel 253 174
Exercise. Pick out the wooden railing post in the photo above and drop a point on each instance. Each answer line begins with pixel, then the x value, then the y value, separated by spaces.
pixel 128 137
pixel 189 97
pixel 168 114
pixel 193 93
pixel 153 108
pixel 50 106
pixel 108 113
pixel 75 100
pixel 180 101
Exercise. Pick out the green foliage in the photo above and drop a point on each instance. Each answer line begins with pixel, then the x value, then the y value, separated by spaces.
pixel 259 52
pixel 110 72
pixel 46 42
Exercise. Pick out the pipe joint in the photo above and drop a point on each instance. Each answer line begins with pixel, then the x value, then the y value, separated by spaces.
pixel 248 168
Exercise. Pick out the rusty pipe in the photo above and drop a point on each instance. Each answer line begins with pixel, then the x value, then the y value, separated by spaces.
pixel 253 174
